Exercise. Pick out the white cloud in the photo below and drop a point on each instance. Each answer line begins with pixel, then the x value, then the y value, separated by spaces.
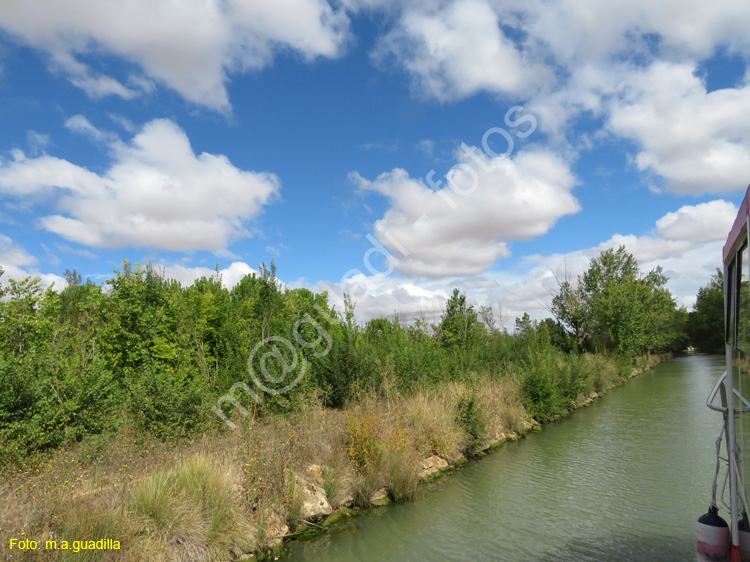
pixel 586 90
pixel 17 264
pixel 79 124
pixel 579 31
pixel 190 46
pixel 77 252
pixel 464 225
pixel 13 254
pixel 700 223
pixel 230 276
pixel 630 62
pixel 698 142
pixel 95 85
pixel 157 193
pixel 426 146
pixel 456 49
pixel 378 296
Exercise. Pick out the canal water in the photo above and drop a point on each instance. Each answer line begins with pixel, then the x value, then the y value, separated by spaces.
pixel 624 479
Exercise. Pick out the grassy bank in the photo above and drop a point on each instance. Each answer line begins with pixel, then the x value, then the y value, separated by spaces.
pixel 232 493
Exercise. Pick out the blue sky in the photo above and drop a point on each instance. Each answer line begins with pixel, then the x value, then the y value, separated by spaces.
pixel 363 144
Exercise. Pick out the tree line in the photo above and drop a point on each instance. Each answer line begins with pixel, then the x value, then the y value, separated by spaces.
pixel 147 353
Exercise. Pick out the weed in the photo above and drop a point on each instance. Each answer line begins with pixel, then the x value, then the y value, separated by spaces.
pixel 470 417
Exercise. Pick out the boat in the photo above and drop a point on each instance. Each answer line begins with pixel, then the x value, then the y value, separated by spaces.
pixel 717 538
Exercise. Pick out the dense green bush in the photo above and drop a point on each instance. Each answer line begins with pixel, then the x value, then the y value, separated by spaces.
pixel 145 351
pixel 542 384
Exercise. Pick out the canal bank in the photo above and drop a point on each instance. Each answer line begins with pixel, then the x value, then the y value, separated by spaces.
pixel 624 479
pixel 434 467
pixel 271 477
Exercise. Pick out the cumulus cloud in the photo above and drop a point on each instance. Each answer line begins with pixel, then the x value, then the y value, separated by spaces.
pixel 585 90
pixel 686 139
pixel 580 31
pixel 699 223
pixel 464 224
pixel 631 63
pixel 456 49
pixel 157 193
pixel 383 296
pixel 190 47
pixel 699 142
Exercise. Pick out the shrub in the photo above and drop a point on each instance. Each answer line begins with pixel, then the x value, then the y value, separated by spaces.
pixel 168 403
pixel 400 464
pixel 470 417
pixel 540 385
pixel 364 447
pixel 365 455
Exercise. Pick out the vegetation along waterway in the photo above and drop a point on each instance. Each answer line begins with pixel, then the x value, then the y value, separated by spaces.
pixel 624 479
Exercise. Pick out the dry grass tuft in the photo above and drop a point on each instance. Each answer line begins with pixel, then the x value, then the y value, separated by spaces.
pixel 193 513
pixel 501 404
pixel 430 417
pixel 83 518
pixel 400 464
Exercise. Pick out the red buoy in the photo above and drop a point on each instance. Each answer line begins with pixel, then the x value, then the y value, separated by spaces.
pixel 712 534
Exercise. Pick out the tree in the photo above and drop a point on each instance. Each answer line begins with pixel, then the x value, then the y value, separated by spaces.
pixel 705 324
pixel 558 336
pixel 570 309
pixel 202 309
pixel 22 322
pixel 269 298
pixel 617 307
pixel 664 323
pixel 493 323
pixel 458 325
pixel 72 277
